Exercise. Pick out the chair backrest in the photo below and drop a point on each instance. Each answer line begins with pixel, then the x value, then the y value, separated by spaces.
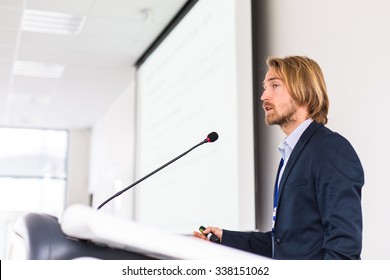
pixel 42 238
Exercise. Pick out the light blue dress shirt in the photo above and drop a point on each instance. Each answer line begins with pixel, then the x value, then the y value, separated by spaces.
pixel 287 146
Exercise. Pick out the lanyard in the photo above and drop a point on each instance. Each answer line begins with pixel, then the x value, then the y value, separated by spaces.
pixel 276 197
pixel 276 193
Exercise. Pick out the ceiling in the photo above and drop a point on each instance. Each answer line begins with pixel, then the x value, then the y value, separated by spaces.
pixel 98 61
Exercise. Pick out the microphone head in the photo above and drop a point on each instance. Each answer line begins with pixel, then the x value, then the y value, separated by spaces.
pixel 212 137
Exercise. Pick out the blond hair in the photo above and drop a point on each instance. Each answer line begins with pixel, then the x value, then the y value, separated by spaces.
pixel 305 82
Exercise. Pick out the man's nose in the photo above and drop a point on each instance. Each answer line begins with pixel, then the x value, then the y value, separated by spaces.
pixel 264 96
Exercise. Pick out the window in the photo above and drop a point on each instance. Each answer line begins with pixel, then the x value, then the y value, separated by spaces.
pixel 32 175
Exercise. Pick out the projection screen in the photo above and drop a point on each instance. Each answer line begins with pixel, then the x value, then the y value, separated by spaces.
pixel 198 80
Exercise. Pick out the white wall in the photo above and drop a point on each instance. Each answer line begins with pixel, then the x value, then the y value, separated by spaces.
pixel 112 155
pixel 350 40
pixel 78 164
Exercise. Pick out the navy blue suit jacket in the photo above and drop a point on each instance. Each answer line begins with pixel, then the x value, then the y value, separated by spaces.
pixel 319 208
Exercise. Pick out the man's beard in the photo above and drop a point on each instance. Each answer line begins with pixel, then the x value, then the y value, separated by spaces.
pixel 282 119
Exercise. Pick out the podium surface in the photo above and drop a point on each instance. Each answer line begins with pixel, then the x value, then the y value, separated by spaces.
pixel 84 223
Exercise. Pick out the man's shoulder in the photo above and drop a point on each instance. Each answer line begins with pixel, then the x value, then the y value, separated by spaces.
pixel 319 133
pixel 325 142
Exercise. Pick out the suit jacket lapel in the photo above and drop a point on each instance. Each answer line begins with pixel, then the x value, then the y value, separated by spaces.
pixel 296 152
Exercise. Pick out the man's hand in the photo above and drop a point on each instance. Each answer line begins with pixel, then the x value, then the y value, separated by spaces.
pixel 214 230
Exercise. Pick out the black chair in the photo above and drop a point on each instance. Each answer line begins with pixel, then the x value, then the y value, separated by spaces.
pixel 43 239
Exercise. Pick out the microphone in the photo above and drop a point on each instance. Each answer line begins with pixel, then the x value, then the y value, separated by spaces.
pixel 212 137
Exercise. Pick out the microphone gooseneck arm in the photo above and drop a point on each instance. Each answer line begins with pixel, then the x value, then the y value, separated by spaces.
pixel 158 169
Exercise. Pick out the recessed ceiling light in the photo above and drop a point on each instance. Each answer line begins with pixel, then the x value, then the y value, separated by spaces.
pixel 29 99
pixel 38 69
pixel 51 22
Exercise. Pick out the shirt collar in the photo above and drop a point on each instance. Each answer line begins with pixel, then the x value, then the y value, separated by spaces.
pixel 289 143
